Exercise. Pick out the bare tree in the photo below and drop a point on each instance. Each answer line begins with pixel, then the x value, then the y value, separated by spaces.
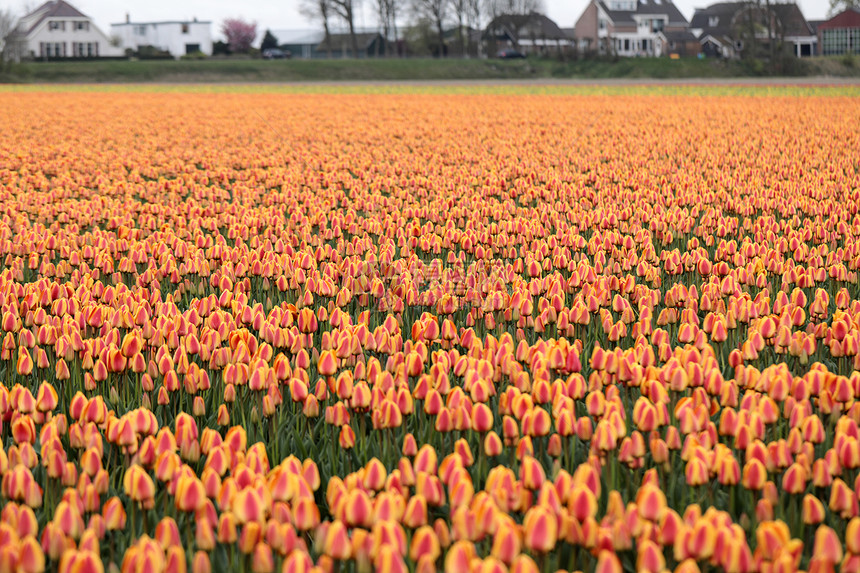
pixel 319 10
pixel 474 16
pixel 837 6
pixel 394 6
pixel 8 39
pixel 386 14
pixel 499 7
pixel 346 10
pixel 435 11
pixel 461 9
pixel 770 20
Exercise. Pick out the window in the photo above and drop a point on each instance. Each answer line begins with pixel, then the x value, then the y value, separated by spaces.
pixel 80 25
pixel 623 5
pixel 56 25
pixel 626 44
pixel 838 41
pixel 82 49
pixel 601 24
pixel 713 21
pixel 657 25
pixel 184 28
pixel 52 49
pixel 140 30
pixel 192 48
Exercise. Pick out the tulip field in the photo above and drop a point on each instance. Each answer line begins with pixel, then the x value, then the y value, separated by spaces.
pixel 459 329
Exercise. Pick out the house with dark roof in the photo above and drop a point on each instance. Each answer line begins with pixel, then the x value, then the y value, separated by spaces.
pixel 633 28
pixel 733 29
pixel 840 35
pixel 532 33
pixel 56 29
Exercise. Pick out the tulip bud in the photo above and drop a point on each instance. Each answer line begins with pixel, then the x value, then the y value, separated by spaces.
pixel 201 563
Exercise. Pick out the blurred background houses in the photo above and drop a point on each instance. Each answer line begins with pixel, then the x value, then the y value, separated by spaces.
pixel 768 30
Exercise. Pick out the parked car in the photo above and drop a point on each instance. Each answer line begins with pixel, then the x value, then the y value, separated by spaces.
pixel 510 54
pixel 276 54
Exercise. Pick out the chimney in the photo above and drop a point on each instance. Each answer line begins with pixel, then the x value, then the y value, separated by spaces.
pixel 127 18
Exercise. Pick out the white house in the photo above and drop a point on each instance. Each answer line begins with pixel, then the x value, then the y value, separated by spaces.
pixel 179 37
pixel 56 29
pixel 634 28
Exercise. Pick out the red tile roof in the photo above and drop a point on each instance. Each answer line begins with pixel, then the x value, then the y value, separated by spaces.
pixel 848 19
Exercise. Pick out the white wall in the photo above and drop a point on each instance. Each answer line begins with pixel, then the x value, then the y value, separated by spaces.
pixel 167 36
pixel 68 36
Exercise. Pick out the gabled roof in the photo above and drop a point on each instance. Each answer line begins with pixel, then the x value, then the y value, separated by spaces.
pixel 679 36
pixel 849 18
pixel 793 21
pixel 59 9
pixel 525 25
pixel 338 41
pixel 814 24
pixel 663 7
pixel 617 16
pixel 650 7
pixel 719 18
pixel 52 9
pixel 716 19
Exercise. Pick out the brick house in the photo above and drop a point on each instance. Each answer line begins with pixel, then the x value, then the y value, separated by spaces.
pixel 840 35
pixel 633 28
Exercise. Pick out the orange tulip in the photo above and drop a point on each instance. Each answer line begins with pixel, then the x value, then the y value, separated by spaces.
pixel 74 561
pixel 828 547
pixel 541 529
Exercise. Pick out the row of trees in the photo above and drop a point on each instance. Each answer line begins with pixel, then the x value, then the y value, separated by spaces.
pixel 438 14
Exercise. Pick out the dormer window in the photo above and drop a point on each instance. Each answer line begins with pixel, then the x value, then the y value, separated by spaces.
pixel 56 25
pixel 713 21
pixel 623 5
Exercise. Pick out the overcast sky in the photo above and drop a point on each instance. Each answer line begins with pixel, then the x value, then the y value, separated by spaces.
pixel 284 15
